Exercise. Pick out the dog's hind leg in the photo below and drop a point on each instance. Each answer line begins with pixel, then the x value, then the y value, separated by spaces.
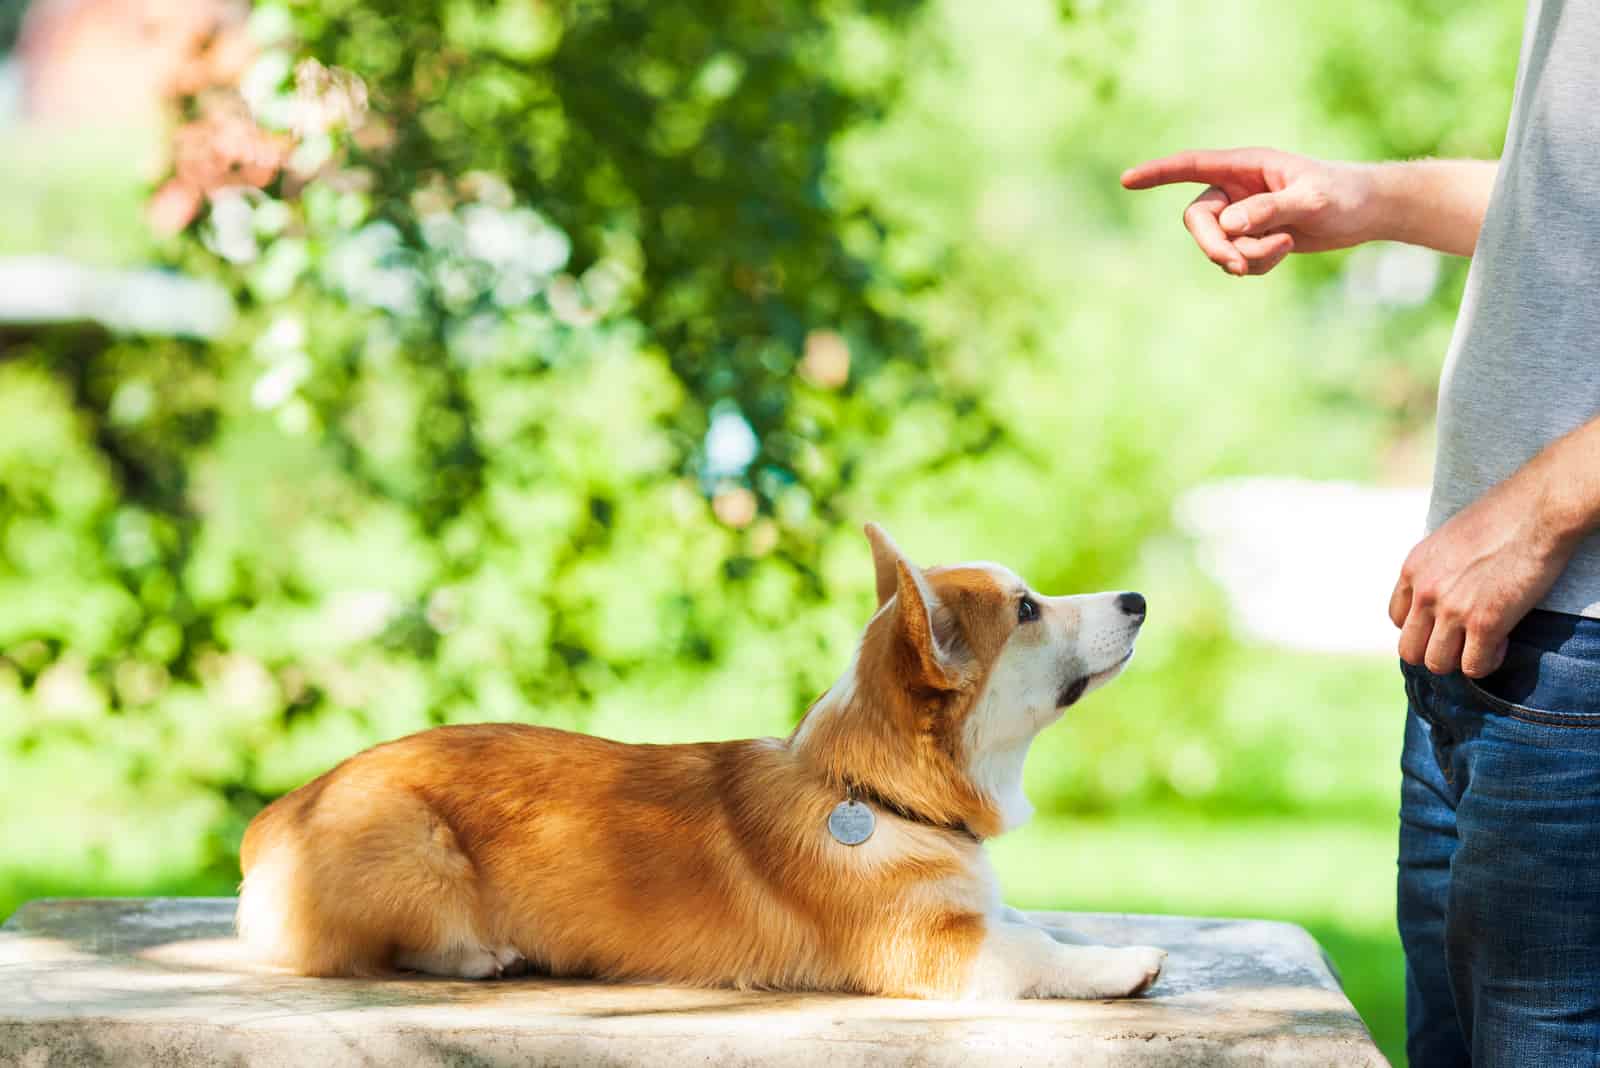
pixel 463 962
pixel 361 880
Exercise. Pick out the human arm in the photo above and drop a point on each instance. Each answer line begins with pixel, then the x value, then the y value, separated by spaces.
pixel 1436 203
pixel 1464 587
pixel 1261 204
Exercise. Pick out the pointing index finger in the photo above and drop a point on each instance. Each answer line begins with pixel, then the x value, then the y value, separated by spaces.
pixel 1210 167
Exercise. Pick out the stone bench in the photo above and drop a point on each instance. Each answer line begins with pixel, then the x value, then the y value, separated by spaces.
pixel 101 982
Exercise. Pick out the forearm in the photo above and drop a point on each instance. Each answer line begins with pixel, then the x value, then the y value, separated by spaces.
pixel 1567 474
pixel 1436 203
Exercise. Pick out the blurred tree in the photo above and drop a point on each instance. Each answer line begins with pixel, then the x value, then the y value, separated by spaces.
pixel 679 153
pixel 545 386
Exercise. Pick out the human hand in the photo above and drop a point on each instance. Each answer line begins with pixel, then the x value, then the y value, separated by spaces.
pixel 1262 204
pixel 1464 587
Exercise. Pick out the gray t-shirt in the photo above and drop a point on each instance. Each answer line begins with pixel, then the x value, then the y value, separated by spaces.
pixel 1524 364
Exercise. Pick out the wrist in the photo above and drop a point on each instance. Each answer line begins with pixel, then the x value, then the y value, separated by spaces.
pixel 1564 506
pixel 1392 195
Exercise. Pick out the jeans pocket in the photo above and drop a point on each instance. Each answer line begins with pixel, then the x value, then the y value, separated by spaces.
pixel 1542 686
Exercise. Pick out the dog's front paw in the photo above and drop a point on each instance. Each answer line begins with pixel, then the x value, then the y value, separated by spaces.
pixel 1121 972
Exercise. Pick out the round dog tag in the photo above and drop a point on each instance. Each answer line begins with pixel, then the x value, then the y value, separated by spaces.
pixel 851 823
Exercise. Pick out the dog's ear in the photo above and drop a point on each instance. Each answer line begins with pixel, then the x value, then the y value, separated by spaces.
pixel 898 576
pixel 886 558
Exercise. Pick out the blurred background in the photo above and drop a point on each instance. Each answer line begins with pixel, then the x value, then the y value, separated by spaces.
pixel 366 366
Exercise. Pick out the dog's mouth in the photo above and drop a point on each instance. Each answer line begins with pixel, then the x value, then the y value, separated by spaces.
pixel 1073 691
pixel 1080 685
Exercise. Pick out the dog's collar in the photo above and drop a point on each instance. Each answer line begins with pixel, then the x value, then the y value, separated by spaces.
pixel 855 791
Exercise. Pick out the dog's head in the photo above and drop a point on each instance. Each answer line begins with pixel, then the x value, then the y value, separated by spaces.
pixel 958 671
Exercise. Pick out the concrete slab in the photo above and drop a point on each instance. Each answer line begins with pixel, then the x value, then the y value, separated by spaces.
pixel 159 981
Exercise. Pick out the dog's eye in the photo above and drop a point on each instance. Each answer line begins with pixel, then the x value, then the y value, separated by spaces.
pixel 1027 610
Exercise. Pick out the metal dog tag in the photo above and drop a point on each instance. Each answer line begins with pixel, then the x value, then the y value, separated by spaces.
pixel 851 823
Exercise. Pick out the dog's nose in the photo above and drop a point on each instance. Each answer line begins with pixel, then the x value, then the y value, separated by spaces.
pixel 1132 604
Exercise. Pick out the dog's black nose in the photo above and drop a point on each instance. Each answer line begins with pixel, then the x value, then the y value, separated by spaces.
pixel 1132 604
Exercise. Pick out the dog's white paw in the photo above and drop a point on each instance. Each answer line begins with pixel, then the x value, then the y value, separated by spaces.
pixel 1121 972
pixel 477 964
pixel 509 962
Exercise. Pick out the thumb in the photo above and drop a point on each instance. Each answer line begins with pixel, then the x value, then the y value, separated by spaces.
pixel 1264 212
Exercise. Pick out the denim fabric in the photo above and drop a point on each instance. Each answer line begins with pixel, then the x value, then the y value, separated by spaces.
pixel 1499 880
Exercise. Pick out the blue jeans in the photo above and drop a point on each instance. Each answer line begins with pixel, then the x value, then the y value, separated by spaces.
pixel 1499 884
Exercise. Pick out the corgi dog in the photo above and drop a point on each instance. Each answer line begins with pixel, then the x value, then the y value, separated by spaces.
pixel 848 857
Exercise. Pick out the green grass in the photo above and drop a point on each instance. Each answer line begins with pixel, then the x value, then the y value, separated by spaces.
pixel 1334 878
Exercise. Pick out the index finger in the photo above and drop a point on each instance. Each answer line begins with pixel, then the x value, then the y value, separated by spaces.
pixel 1200 218
pixel 1209 166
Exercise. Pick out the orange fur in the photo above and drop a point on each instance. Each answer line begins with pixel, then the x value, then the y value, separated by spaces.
pixel 467 849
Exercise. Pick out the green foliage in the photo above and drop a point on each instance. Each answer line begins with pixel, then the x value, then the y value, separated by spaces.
pixel 682 149
pixel 451 462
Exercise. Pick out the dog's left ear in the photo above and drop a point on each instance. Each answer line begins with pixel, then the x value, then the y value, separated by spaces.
pixel 886 559
pixel 898 576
